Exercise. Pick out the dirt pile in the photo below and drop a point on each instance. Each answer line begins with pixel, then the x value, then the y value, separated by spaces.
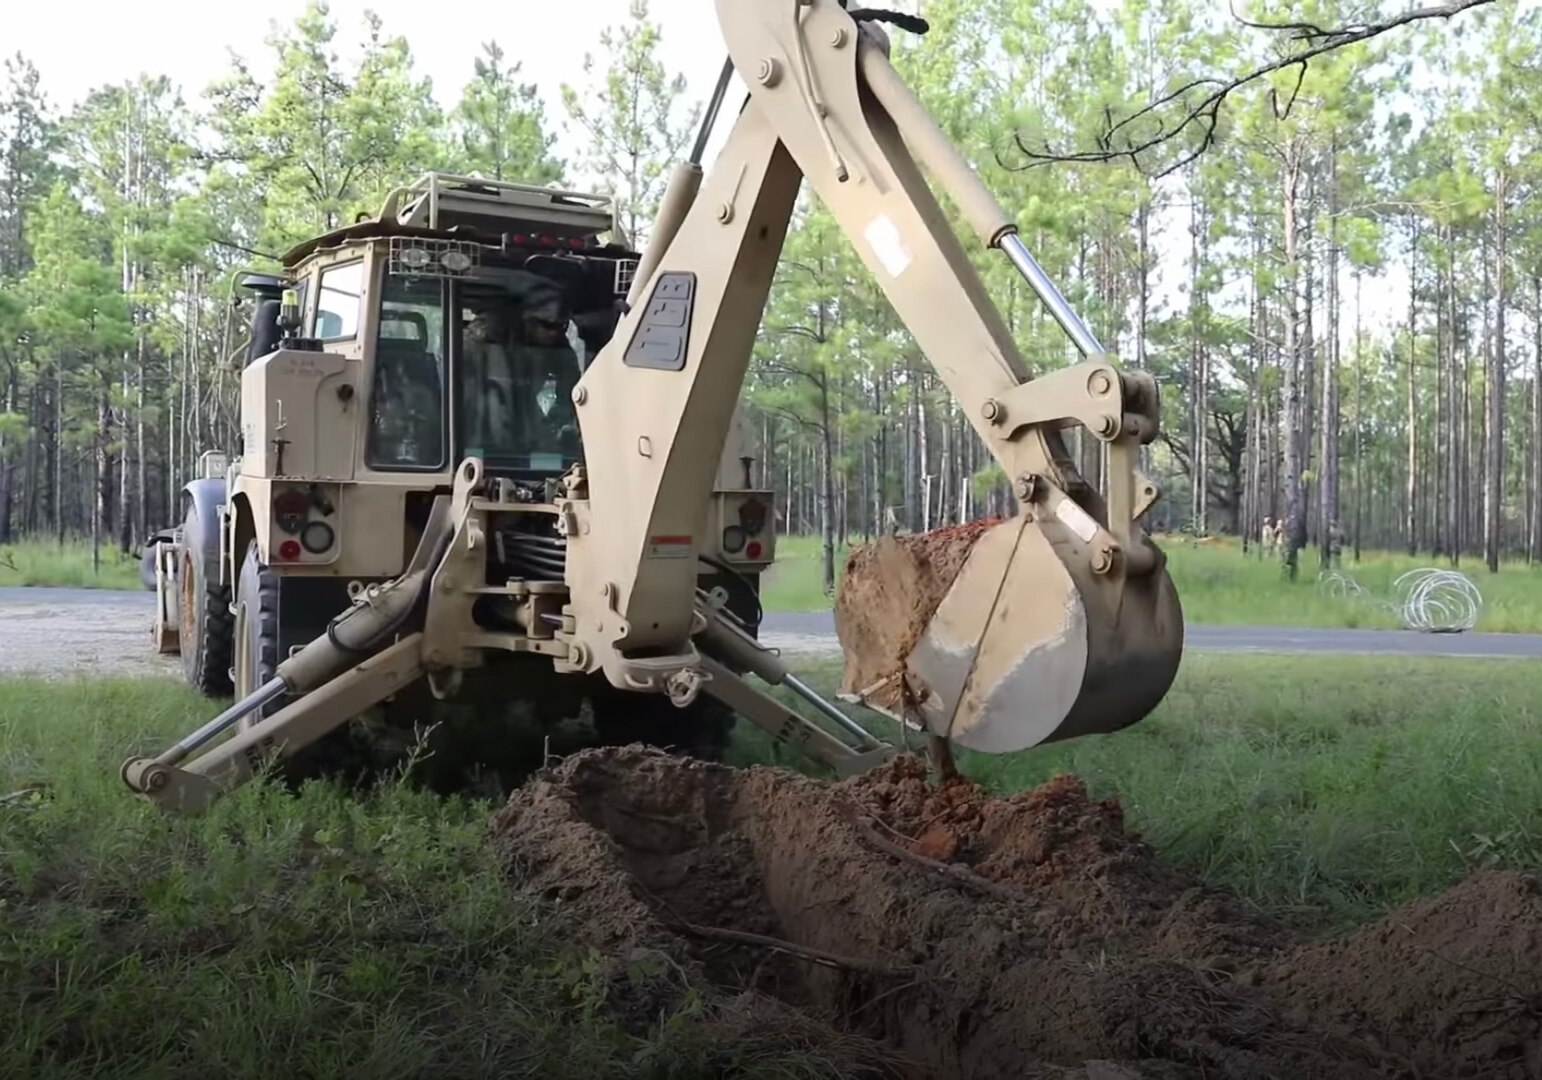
pixel 1453 981
pixel 1031 936
pixel 889 590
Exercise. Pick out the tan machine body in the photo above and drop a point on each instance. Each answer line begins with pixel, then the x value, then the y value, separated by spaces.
pixel 1063 620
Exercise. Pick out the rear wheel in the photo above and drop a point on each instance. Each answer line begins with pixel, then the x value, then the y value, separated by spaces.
pixel 204 618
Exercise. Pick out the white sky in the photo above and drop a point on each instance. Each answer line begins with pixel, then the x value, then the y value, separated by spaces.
pixel 89 43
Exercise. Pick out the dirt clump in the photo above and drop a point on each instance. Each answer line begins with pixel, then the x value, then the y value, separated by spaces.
pixel 1451 985
pixel 981 937
pixel 889 590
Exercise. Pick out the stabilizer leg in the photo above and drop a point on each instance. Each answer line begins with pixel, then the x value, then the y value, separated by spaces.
pixel 190 789
pixel 771 716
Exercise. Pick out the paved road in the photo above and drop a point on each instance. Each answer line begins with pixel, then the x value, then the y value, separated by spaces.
pixel 815 632
pixel 65 631
pixel 78 631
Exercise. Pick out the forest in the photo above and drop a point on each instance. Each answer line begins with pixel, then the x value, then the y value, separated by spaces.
pixel 1336 277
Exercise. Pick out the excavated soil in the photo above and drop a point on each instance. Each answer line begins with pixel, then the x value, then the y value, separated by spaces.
pixel 980 937
pixel 889 590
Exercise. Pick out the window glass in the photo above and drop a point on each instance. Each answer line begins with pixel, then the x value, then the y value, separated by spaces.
pixel 407 400
pixel 518 370
pixel 337 305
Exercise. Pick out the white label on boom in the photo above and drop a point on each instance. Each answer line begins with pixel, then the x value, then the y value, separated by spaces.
pixel 888 244
pixel 1076 519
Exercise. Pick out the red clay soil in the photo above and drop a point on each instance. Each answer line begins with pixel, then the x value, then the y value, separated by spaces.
pixel 1030 936
pixel 889 590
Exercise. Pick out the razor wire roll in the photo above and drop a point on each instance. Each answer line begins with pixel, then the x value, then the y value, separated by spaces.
pixel 1438 601
pixel 1429 599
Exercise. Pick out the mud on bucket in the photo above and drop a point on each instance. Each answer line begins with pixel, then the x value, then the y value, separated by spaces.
pixel 998 635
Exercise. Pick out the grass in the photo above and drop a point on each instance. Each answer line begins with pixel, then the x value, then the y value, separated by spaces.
pixel 67 565
pixel 1325 790
pixel 313 935
pixel 1217 584
pixel 327 934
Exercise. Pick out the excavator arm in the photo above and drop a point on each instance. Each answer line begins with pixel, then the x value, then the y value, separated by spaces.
pixel 1063 620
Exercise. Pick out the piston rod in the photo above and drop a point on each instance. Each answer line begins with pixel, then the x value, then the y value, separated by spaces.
pixel 1041 283
pixel 265 694
pixel 865 739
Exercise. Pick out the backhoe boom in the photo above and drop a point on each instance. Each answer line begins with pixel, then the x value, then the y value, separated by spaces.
pixel 1067 622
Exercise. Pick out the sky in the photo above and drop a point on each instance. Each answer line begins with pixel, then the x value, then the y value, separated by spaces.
pixel 183 39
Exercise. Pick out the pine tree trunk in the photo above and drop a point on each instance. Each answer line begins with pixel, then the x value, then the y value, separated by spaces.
pixel 1196 432
pixel 1493 480
pixel 913 448
pixel 56 450
pixel 1292 363
pixel 123 521
pixel 1456 443
pixel 1359 427
pixel 1411 480
pixel 101 520
pixel 141 516
pixel 826 489
pixel 1328 515
pixel 7 466
pixel 1534 549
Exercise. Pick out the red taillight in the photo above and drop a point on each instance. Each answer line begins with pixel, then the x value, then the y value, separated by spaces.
pixel 289 550
pixel 752 516
pixel 753 549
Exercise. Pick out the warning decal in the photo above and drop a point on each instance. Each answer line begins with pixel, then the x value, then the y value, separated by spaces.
pixel 669 547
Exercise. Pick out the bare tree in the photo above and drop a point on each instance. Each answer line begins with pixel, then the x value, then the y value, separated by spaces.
pixel 1190 114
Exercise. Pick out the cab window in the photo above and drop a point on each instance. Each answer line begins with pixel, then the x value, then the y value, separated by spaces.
pixel 338 301
pixel 407 413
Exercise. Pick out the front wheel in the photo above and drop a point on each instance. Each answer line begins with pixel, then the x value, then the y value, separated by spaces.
pixel 204 617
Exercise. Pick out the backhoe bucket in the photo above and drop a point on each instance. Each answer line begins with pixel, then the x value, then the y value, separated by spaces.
pixel 985 635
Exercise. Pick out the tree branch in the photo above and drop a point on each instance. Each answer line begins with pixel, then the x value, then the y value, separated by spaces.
pixel 1117 143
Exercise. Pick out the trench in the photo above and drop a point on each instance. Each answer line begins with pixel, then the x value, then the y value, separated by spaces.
pixel 990 938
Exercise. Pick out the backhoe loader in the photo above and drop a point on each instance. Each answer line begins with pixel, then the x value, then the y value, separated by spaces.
pixel 1056 622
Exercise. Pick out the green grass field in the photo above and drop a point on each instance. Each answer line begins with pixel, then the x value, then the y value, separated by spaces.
pixel 1217 584
pixel 44 562
pixel 331 935
pixel 320 935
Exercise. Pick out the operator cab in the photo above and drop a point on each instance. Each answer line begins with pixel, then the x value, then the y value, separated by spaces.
pixel 482 304
pixel 515 348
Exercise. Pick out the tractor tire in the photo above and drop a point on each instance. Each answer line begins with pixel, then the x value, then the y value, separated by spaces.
pixel 256 662
pixel 700 730
pixel 205 621
pixel 256 629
